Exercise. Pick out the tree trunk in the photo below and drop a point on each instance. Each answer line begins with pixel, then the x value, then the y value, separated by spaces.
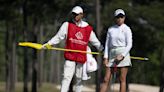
pixel 10 59
pixel 13 61
pixel 26 64
pixel 34 62
pixel 59 64
pixel 52 67
pixel 34 72
pixel 99 58
pixel 7 56
pixel 41 58
pixel 162 72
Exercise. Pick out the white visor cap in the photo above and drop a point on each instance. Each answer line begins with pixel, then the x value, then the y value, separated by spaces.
pixel 119 11
pixel 77 10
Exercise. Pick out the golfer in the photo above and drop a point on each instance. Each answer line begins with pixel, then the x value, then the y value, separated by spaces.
pixel 117 48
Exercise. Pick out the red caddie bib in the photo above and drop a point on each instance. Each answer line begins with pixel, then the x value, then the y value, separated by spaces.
pixel 77 39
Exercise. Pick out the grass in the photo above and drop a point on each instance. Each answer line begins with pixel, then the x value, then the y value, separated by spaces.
pixel 46 87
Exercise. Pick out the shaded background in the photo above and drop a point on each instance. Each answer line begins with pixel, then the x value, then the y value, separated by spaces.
pixel 26 69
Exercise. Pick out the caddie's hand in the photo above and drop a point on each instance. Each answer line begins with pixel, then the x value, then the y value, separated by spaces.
pixel 119 57
pixel 45 46
pixel 105 62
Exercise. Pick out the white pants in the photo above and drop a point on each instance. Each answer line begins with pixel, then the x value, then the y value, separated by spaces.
pixel 70 68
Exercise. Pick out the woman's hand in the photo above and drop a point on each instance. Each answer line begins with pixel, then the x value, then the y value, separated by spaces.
pixel 119 57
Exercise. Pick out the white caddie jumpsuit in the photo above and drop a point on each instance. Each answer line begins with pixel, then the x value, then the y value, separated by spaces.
pixel 71 67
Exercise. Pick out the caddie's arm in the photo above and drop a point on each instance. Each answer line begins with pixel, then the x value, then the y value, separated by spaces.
pixel 58 37
pixel 95 42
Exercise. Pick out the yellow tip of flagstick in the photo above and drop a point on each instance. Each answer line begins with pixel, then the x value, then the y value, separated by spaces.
pixel 32 45
pixel 21 44
pixel 146 58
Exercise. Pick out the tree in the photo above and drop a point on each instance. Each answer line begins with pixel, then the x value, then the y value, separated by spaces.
pixel 162 72
pixel 9 11
pixel 98 30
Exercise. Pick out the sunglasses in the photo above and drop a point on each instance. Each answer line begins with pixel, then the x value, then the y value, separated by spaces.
pixel 74 14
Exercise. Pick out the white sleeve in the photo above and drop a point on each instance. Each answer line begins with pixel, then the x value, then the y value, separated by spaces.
pixel 60 35
pixel 94 40
pixel 128 36
pixel 106 51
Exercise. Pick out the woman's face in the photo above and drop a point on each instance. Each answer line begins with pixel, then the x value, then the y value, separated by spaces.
pixel 120 20
pixel 78 17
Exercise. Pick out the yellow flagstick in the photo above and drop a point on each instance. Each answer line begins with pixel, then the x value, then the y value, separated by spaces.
pixel 39 47
pixel 74 50
pixel 139 58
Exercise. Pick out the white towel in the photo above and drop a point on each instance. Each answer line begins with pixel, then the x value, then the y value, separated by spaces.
pixel 89 66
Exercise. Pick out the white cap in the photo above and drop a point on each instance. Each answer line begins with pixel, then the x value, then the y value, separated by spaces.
pixel 77 10
pixel 119 11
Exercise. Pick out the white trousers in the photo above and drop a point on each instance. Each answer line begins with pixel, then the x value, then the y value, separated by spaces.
pixel 71 67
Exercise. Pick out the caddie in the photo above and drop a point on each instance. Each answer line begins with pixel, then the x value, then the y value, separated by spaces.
pixel 77 34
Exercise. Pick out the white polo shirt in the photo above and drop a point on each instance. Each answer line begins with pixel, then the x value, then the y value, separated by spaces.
pixel 118 36
pixel 62 34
